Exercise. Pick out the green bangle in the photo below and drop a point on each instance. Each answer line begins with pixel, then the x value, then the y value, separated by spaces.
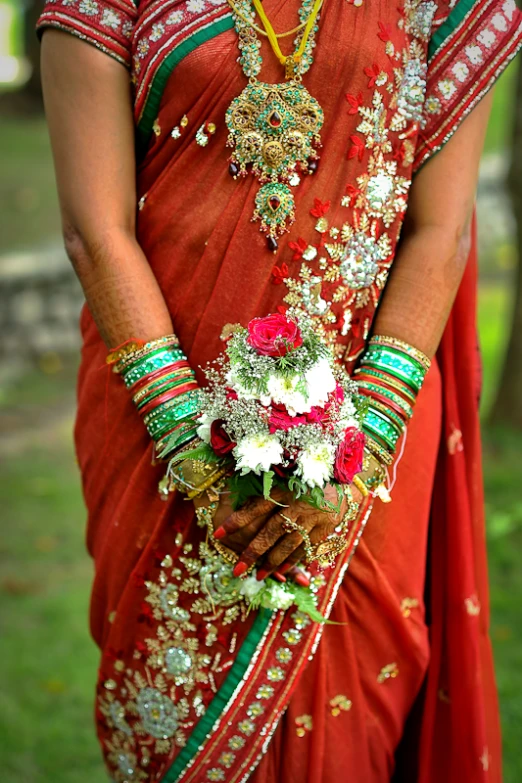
pixel 182 405
pixel 378 424
pixel 396 398
pixel 163 358
pixel 405 367
pixel 158 430
pixel 383 409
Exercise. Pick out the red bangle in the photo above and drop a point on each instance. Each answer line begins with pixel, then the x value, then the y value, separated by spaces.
pixel 381 380
pixel 176 367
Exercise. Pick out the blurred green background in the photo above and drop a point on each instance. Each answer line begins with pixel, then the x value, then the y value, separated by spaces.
pixel 48 660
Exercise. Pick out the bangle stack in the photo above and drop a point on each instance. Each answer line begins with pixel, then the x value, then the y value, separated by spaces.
pixel 163 388
pixel 390 376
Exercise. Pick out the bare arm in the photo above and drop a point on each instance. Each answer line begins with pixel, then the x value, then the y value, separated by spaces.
pixel 435 244
pixel 89 113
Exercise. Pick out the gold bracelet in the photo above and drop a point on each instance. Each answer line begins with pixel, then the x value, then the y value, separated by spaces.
pixel 137 351
pixel 378 451
pixel 410 350
pixel 361 486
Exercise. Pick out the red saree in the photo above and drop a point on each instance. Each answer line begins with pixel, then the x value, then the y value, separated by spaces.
pixel 191 689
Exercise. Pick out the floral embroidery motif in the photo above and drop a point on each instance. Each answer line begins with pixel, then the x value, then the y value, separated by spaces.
pixel 340 704
pixel 167 691
pixel 407 604
pixel 342 275
pixel 388 672
pixel 304 723
pixel 472 605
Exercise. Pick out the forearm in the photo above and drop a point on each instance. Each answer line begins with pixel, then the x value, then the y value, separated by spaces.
pixel 120 288
pixel 423 283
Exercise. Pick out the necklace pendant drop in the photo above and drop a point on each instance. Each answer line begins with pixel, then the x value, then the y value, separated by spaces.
pixel 274 132
pixel 274 129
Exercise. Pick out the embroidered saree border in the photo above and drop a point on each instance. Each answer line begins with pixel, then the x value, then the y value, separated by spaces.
pixel 227 690
pixel 85 32
pixel 468 53
pixel 243 684
pixel 149 95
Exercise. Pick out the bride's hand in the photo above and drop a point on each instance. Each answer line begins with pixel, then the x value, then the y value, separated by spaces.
pixel 263 536
pixel 250 519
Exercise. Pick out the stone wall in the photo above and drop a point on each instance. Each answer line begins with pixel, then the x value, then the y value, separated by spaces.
pixel 40 302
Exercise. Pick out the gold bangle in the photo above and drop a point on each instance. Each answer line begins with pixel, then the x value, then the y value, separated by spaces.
pixel 361 486
pixel 378 451
pixel 410 350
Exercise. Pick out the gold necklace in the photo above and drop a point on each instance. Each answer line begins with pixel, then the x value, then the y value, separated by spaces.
pixel 274 128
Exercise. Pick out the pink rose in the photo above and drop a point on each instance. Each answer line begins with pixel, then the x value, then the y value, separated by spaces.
pixel 349 456
pixel 275 335
pixel 220 439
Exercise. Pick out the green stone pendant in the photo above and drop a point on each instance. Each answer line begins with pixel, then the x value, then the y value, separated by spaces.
pixel 274 130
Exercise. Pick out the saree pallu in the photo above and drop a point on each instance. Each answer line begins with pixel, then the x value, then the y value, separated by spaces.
pixel 191 687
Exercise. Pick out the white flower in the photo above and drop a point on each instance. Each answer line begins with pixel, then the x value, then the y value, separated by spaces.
pixel 232 380
pixel 315 464
pixel 205 423
pixel 277 598
pixel 284 390
pixel 111 19
pixel 250 586
pixel 257 453
pixel 196 6
pixel 320 382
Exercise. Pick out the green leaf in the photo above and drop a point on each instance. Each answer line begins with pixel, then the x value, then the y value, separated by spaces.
pixel 268 480
pixel 244 487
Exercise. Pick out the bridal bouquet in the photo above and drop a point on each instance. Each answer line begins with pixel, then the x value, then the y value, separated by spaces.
pixel 278 412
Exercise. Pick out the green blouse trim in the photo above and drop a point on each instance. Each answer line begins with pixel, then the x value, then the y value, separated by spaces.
pixel 449 26
pixel 150 110
pixel 222 697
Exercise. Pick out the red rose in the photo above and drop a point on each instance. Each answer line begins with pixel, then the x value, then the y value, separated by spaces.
pixel 220 439
pixel 275 335
pixel 349 456
pixel 280 419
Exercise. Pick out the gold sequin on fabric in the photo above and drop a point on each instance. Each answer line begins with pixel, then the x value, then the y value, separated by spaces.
pixel 340 704
pixel 304 723
pixel 455 444
pixel 407 604
pixel 472 605
pixel 388 672
pixel 443 695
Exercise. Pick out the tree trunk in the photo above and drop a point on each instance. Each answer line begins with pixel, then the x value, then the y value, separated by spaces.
pixel 508 404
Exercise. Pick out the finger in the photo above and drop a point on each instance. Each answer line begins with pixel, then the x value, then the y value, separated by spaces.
pixel 269 534
pixel 298 576
pixel 290 563
pixel 281 552
pixel 239 519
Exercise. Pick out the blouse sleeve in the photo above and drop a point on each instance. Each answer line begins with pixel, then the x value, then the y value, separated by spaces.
pixel 106 24
pixel 472 41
